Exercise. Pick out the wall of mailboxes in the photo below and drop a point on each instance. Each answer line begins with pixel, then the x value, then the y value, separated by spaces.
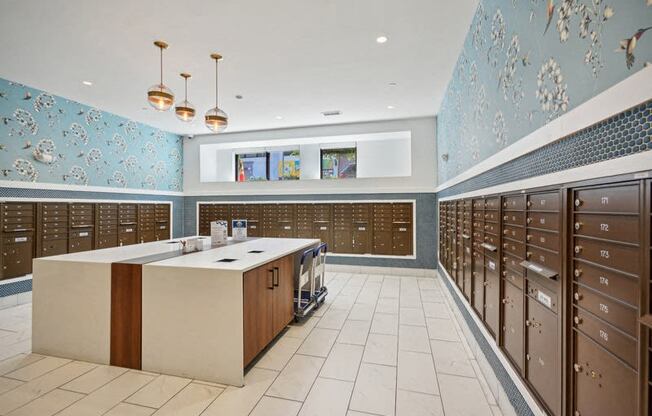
pixel 560 277
pixel 349 227
pixel 39 229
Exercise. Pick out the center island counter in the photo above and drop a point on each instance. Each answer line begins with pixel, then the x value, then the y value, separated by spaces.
pixel 204 315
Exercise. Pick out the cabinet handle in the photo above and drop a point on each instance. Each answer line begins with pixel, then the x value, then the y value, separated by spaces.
pixel 276 277
pixel 271 285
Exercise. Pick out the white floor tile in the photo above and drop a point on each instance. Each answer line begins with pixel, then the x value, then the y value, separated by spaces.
pixel 361 312
pixel 413 338
pixel 48 404
pixel 409 403
pixel 239 401
pixel 297 377
pixel 279 354
pixel 333 319
pixel 7 384
pixel 375 390
pixel 36 388
pixel 384 324
pixel 126 409
pixel 451 358
pixel 273 406
pixel 416 372
pixel 319 342
pixel 381 349
pixel 430 295
pixel 354 332
pixel 18 361
pixel 412 316
pixel 109 395
pixel 191 401
pixel 343 362
pixel 462 396
pixel 387 305
pixel 38 368
pixel 436 310
pixel 410 301
pixel 442 329
pixel 159 391
pixel 327 398
pixel 302 329
pixel 94 379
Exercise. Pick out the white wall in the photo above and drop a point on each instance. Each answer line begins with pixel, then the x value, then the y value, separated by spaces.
pixel 421 179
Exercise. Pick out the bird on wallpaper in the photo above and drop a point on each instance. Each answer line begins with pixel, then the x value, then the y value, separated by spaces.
pixel 629 45
pixel 550 12
pixel 5 121
pixel 3 95
pixel 28 96
pixel 27 145
pixel 81 154
pixel 3 147
pixel 80 112
pixel 5 172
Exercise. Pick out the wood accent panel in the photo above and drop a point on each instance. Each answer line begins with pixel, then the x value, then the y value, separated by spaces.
pixel 126 315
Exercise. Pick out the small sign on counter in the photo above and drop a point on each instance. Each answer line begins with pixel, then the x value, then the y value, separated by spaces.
pixel 239 229
pixel 219 232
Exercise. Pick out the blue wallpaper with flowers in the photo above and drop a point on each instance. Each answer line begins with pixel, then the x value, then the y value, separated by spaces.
pixel 46 138
pixel 526 62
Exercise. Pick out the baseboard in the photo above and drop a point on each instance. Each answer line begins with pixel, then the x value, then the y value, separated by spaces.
pixel 401 271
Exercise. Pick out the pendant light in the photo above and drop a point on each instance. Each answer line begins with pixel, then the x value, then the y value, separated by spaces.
pixel 216 119
pixel 159 96
pixel 185 111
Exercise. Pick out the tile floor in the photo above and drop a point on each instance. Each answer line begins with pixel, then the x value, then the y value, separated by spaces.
pixel 380 345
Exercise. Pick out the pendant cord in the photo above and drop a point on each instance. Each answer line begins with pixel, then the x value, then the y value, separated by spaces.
pixel 161 65
pixel 216 84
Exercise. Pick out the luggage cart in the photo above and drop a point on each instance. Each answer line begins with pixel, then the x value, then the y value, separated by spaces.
pixel 310 291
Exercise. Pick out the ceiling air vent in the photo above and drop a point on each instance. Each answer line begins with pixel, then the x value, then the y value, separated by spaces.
pixel 331 113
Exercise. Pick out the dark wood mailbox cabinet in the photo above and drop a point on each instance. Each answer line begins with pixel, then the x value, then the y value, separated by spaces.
pixel 561 278
pixel 49 228
pixel 361 228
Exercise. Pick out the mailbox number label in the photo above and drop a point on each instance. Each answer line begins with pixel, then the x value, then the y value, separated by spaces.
pixel 604 308
pixel 604 200
pixel 604 227
pixel 604 281
pixel 604 254
pixel 604 335
pixel 492 265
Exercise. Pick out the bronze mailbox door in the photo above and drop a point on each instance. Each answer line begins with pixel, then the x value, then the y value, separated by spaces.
pixel 543 369
pixel 513 340
pixel 492 296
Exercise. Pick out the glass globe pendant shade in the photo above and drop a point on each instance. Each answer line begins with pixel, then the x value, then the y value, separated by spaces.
pixel 185 111
pixel 160 97
pixel 216 120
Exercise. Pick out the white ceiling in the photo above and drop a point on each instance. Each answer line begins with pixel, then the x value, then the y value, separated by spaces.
pixel 288 58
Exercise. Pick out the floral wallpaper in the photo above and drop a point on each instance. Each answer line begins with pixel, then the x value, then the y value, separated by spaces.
pixel 526 62
pixel 45 138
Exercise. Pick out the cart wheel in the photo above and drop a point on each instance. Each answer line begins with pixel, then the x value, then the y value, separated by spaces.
pixel 296 319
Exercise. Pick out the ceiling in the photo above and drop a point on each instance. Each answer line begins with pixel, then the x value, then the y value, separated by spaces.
pixel 288 58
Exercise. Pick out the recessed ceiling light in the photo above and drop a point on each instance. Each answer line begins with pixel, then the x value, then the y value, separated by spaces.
pixel 331 113
pixel 239 97
pixel 390 107
pixel 279 117
pixel 381 39
pixel 392 84
pixel 87 83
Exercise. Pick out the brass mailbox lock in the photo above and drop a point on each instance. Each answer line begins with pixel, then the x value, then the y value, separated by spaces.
pixel 577 296
pixel 577 272
pixel 528 254
pixel 506 217
pixel 577 368
pixel 505 232
pixel 529 203
pixel 577 320
pixel 529 220
pixel 578 202
pixel 504 273
pixel 527 323
pixel 528 237
pixel 578 249
pixel 578 225
pixel 504 301
pixel 527 357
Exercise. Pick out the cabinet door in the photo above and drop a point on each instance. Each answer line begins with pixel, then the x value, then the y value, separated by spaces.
pixel 283 271
pixel 257 311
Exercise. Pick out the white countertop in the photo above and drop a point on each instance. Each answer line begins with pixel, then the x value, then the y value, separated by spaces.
pixel 272 249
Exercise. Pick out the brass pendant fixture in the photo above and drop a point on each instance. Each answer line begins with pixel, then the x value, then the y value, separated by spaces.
pixel 184 110
pixel 216 119
pixel 159 96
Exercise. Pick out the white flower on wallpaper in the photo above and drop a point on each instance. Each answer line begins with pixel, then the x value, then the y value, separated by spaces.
pixel 159 168
pixel 149 182
pixel 565 12
pixel 26 169
pixel 26 122
pixel 77 134
pixel 497 35
pixel 500 129
pixel 131 164
pixel 93 116
pixel 119 143
pixel 551 89
pixel 150 149
pixel 477 35
pixel 480 105
pixel 175 155
pixel 592 20
pixel 118 179
pixel 93 156
pixel 475 148
pixel 473 74
pixel 130 128
pixel 44 101
pixel 44 152
pixel 76 175
pixel 175 184
pixel 510 84
pixel 158 136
